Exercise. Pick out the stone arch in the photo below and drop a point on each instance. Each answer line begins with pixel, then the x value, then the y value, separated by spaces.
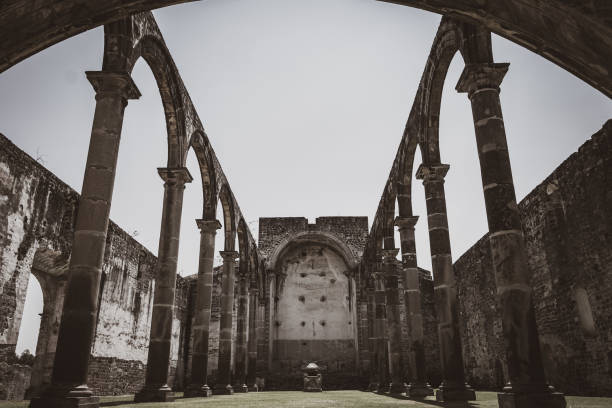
pixel 51 271
pixel 580 42
pixel 315 237
pixel 201 147
pixel 227 204
pixel 243 247
pixel 474 45
pixel 128 40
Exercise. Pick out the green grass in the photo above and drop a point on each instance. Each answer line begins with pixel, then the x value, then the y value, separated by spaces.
pixel 336 399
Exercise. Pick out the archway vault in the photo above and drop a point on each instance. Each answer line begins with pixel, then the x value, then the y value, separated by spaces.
pixel 576 35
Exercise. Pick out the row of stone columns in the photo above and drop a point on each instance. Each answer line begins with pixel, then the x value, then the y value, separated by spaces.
pixel 527 386
pixel 69 378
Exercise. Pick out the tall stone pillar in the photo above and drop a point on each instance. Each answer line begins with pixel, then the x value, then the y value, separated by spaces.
pixel 380 321
pixel 394 327
pixel 418 387
pixel 372 339
pixel 527 385
pixel 241 335
pixel 224 372
pixel 253 336
pixel 201 324
pixel 69 377
pixel 262 345
pixel 453 385
pixel 156 386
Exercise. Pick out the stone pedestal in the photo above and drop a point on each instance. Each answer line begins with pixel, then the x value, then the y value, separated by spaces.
pixel 313 379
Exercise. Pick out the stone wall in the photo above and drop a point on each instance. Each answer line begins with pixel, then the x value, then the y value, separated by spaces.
pixel 314 312
pixel 37 215
pixel 567 221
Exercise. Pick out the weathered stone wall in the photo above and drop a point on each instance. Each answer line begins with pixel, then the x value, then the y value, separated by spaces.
pixel 314 312
pixel 567 221
pixel 37 214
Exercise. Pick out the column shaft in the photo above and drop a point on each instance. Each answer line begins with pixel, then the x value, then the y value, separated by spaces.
pixel 252 338
pixel 453 385
pixel 527 385
pixel 372 339
pixel 382 355
pixel 69 376
pixel 158 360
pixel 393 321
pixel 418 387
pixel 224 371
pixel 241 356
pixel 203 305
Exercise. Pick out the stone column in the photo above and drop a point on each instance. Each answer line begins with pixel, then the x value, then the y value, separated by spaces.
pixel 372 339
pixel 418 387
pixel 253 336
pixel 381 351
pixel 394 327
pixel 241 335
pixel 224 372
pixel 453 385
pixel 527 385
pixel 262 345
pixel 156 386
pixel 69 377
pixel 203 305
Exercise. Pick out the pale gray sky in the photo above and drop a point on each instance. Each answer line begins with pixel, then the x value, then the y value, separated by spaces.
pixel 304 103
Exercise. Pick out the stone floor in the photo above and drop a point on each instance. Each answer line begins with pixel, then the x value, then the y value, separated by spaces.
pixel 336 399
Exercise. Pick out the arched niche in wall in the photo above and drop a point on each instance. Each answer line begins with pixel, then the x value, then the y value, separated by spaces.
pixel 314 317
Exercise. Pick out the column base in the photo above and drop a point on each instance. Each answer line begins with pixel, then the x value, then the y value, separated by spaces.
pixel 195 391
pixel 416 390
pixel 253 388
pixel 62 396
pixel 397 388
pixel 223 390
pixel 241 388
pixel 373 386
pixel 455 394
pixel 531 400
pixel 155 394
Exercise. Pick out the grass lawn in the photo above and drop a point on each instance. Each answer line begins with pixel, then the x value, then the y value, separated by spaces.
pixel 336 399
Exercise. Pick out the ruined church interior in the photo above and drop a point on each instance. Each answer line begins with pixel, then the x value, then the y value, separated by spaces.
pixel 522 318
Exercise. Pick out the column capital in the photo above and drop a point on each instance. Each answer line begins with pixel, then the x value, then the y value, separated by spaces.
pixel 406 222
pixel 208 225
pixel 481 76
pixel 175 175
pixel 229 256
pixel 389 255
pixel 434 172
pixel 113 83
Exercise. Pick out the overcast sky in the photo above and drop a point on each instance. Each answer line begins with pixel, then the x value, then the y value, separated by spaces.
pixel 305 103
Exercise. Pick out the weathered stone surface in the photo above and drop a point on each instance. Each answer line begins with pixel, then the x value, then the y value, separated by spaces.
pixel 566 220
